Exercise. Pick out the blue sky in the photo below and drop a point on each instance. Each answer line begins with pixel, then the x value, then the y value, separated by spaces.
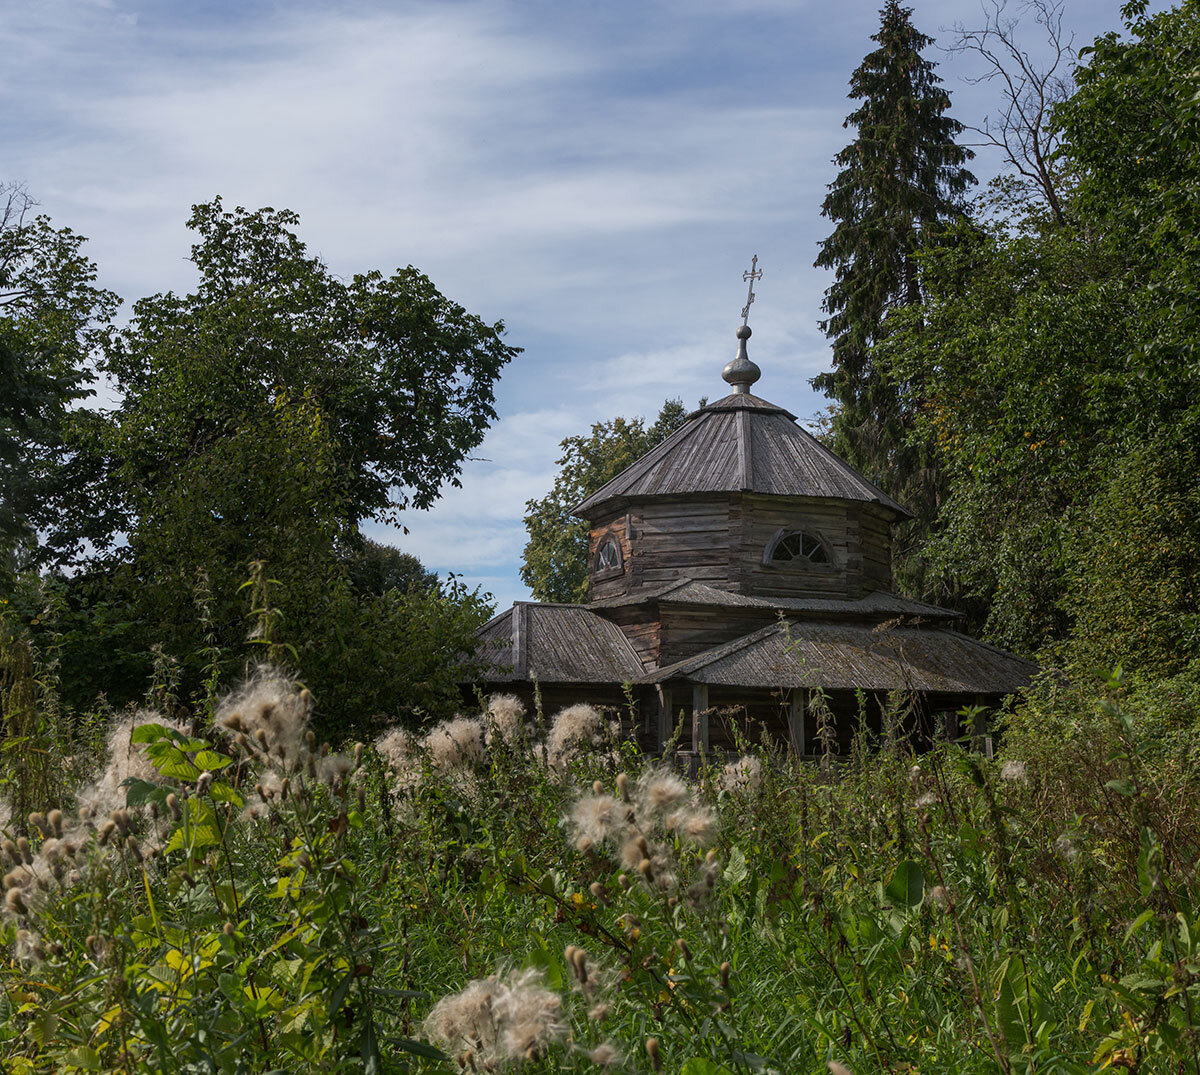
pixel 597 175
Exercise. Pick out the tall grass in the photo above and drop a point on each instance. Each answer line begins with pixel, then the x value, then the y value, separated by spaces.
pixel 495 894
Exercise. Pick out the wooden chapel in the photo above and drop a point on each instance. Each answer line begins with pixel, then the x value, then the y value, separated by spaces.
pixel 738 571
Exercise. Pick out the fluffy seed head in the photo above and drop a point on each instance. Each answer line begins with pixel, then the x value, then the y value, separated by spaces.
pixel 505 719
pixel 660 791
pixel 598 818
pixel 275 712
pixel 573 730
pixel 456 744
pixel 1013 771
pixel 742 777
pixel 499 1020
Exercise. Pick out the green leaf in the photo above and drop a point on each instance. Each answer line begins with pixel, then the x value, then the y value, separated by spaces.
pixel 210 761
pixel 147 733
pixel 85 1057
pixel 1015 1004
pixel 541 958
pixel 736 871
pixel 907 886
pixel 339 993
pixel 171 761
pixel 701 1065
pixel 418 1048
pixel 138 792
pixel 1138 923
pixel 224 793
pixel 371 1059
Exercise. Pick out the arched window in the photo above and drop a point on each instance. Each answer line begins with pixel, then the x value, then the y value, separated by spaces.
pixel 796 547
pixel 608 556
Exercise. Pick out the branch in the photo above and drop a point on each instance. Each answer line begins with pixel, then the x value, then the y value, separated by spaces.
pixel 1029 90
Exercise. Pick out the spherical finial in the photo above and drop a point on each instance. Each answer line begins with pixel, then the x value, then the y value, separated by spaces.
pixel 741 372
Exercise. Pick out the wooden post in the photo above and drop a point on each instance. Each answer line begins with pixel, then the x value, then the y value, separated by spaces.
pixel 982 741
pixel 950 730
pixel 700 718
pixel 799 703
pixel 666 723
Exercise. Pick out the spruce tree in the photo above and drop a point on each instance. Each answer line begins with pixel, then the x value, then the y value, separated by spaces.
pixel 902 181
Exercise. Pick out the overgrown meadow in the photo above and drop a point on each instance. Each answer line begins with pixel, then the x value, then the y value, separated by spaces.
pixel 524 891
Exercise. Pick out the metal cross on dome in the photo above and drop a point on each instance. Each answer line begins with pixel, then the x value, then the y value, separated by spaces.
pixel 751 274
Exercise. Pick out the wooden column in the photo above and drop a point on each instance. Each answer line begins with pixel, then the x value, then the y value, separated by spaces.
pixel 979 733
pixel 700 717
pixel 666 722
pixel 799 703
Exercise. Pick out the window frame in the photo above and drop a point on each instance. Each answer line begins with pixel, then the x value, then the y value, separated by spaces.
pixel 613 570
pixel 801 562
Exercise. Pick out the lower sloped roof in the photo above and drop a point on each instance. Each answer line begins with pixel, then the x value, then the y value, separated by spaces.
pixel 876 604
pixel 848 656
pixel 556 644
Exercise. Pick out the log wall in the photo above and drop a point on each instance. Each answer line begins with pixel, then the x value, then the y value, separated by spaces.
pixel 720 540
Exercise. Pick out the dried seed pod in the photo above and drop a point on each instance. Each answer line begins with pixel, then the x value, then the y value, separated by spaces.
pixel 15 902
pixel 653 1052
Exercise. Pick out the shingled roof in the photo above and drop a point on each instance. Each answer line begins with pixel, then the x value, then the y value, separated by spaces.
pixel 740 444
pixel 556 644
pixel 845 656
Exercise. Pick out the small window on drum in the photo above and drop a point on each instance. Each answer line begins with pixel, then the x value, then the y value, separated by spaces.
pixel 608 557
pixel 799 548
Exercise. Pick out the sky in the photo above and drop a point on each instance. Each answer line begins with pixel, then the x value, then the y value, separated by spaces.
pixel 596 175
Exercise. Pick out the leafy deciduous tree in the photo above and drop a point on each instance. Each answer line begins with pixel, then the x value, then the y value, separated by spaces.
pixel 555 561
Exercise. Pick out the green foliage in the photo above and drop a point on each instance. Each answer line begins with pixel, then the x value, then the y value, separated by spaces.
pixel 901 182
pixel 1052 377
pixel 555 561
pixel 376 568
pixel 259 903
pixel 52 320
pixel 262 417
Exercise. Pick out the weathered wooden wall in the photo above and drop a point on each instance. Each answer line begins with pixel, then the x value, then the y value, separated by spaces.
pixel 719 539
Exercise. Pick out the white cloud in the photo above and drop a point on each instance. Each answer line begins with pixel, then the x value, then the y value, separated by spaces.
pixel 596 175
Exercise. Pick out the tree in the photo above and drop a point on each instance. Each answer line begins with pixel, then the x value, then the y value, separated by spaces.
pixel 263 416
pixel 1022 127
pixel 376 569
pixel 53 319
pixel 555 561
pixel 1058 382
pixel 901 183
